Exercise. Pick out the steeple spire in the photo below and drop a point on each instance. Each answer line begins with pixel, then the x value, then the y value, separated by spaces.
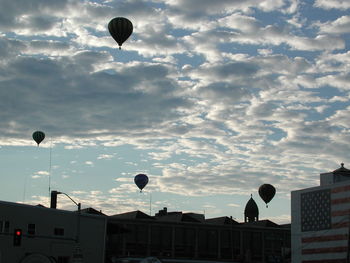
pixel 251 211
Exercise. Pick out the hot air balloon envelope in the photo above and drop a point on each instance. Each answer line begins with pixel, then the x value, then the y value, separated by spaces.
pixel 120 29
pixel 38 136
pixel 267 192
pixel 141 180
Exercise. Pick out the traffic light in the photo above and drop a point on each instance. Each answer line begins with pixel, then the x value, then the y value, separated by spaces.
pixel 17 237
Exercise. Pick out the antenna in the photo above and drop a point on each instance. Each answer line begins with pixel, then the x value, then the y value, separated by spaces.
pixel 50 167
pixel 150 203
pixel 25 188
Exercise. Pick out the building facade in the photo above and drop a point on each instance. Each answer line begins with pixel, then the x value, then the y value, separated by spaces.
pixel 37 234
pixel 177 235
pixel 320 220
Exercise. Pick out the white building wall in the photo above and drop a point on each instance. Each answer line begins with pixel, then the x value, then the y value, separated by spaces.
pixel 92 238
pixel 297 234
pixel 326 179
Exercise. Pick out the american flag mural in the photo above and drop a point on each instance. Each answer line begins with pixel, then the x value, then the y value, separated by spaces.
pixel 325 217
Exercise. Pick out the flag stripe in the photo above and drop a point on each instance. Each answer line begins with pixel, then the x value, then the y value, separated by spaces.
pixel 345 188
pixel 340 225
pixel 326 261
pixel 340 213
pixel 315 245
pixel 344 200
pixel 324 250
pixel 325 256
pixel 324 238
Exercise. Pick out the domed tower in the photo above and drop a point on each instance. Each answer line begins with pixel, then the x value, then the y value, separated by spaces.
pixel 251 211
pixel 341 174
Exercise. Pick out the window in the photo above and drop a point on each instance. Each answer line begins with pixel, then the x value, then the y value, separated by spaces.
pixel 6 227
pixel 1 226
pixel 161 241
pixel 31 229
pixel 59 231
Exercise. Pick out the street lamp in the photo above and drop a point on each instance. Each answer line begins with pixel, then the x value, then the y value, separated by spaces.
pixel 54 205
pixel 77 255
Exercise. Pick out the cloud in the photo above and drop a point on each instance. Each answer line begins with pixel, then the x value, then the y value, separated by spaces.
pixel 105 156
pixel 40 174
pixel 34 14
pixel 233 205
pixel 338 26
pixel 281 219
pixel 332 4
pixel 212 96
pixel 198 180
pixel 246 30
pixel 340 81
pixel 109 204
pixel 54 90
pixel 189 14
pixel 10 48
pixel 333 64
pixel 43 173
pixel 241 23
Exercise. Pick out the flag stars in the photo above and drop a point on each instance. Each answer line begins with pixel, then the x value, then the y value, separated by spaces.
pixel 315 210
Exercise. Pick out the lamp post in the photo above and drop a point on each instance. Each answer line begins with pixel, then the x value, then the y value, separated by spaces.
pixel 78 221
pixel 77 255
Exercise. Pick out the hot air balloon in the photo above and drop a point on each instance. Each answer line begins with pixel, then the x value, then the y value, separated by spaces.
pixel 141 180
pixel 267 192
pixel 120 29
pixel 38 136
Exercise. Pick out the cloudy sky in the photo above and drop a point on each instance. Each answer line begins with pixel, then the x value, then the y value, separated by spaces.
pixel 210 99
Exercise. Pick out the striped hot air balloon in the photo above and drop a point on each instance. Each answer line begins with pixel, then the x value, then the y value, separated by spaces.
pixel 120 29
pixel 38 136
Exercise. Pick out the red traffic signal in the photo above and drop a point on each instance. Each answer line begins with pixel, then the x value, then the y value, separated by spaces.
pixel 17 237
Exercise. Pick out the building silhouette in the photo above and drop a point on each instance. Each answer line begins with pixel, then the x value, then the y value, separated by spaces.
pixel 48 235
pixel 189 236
